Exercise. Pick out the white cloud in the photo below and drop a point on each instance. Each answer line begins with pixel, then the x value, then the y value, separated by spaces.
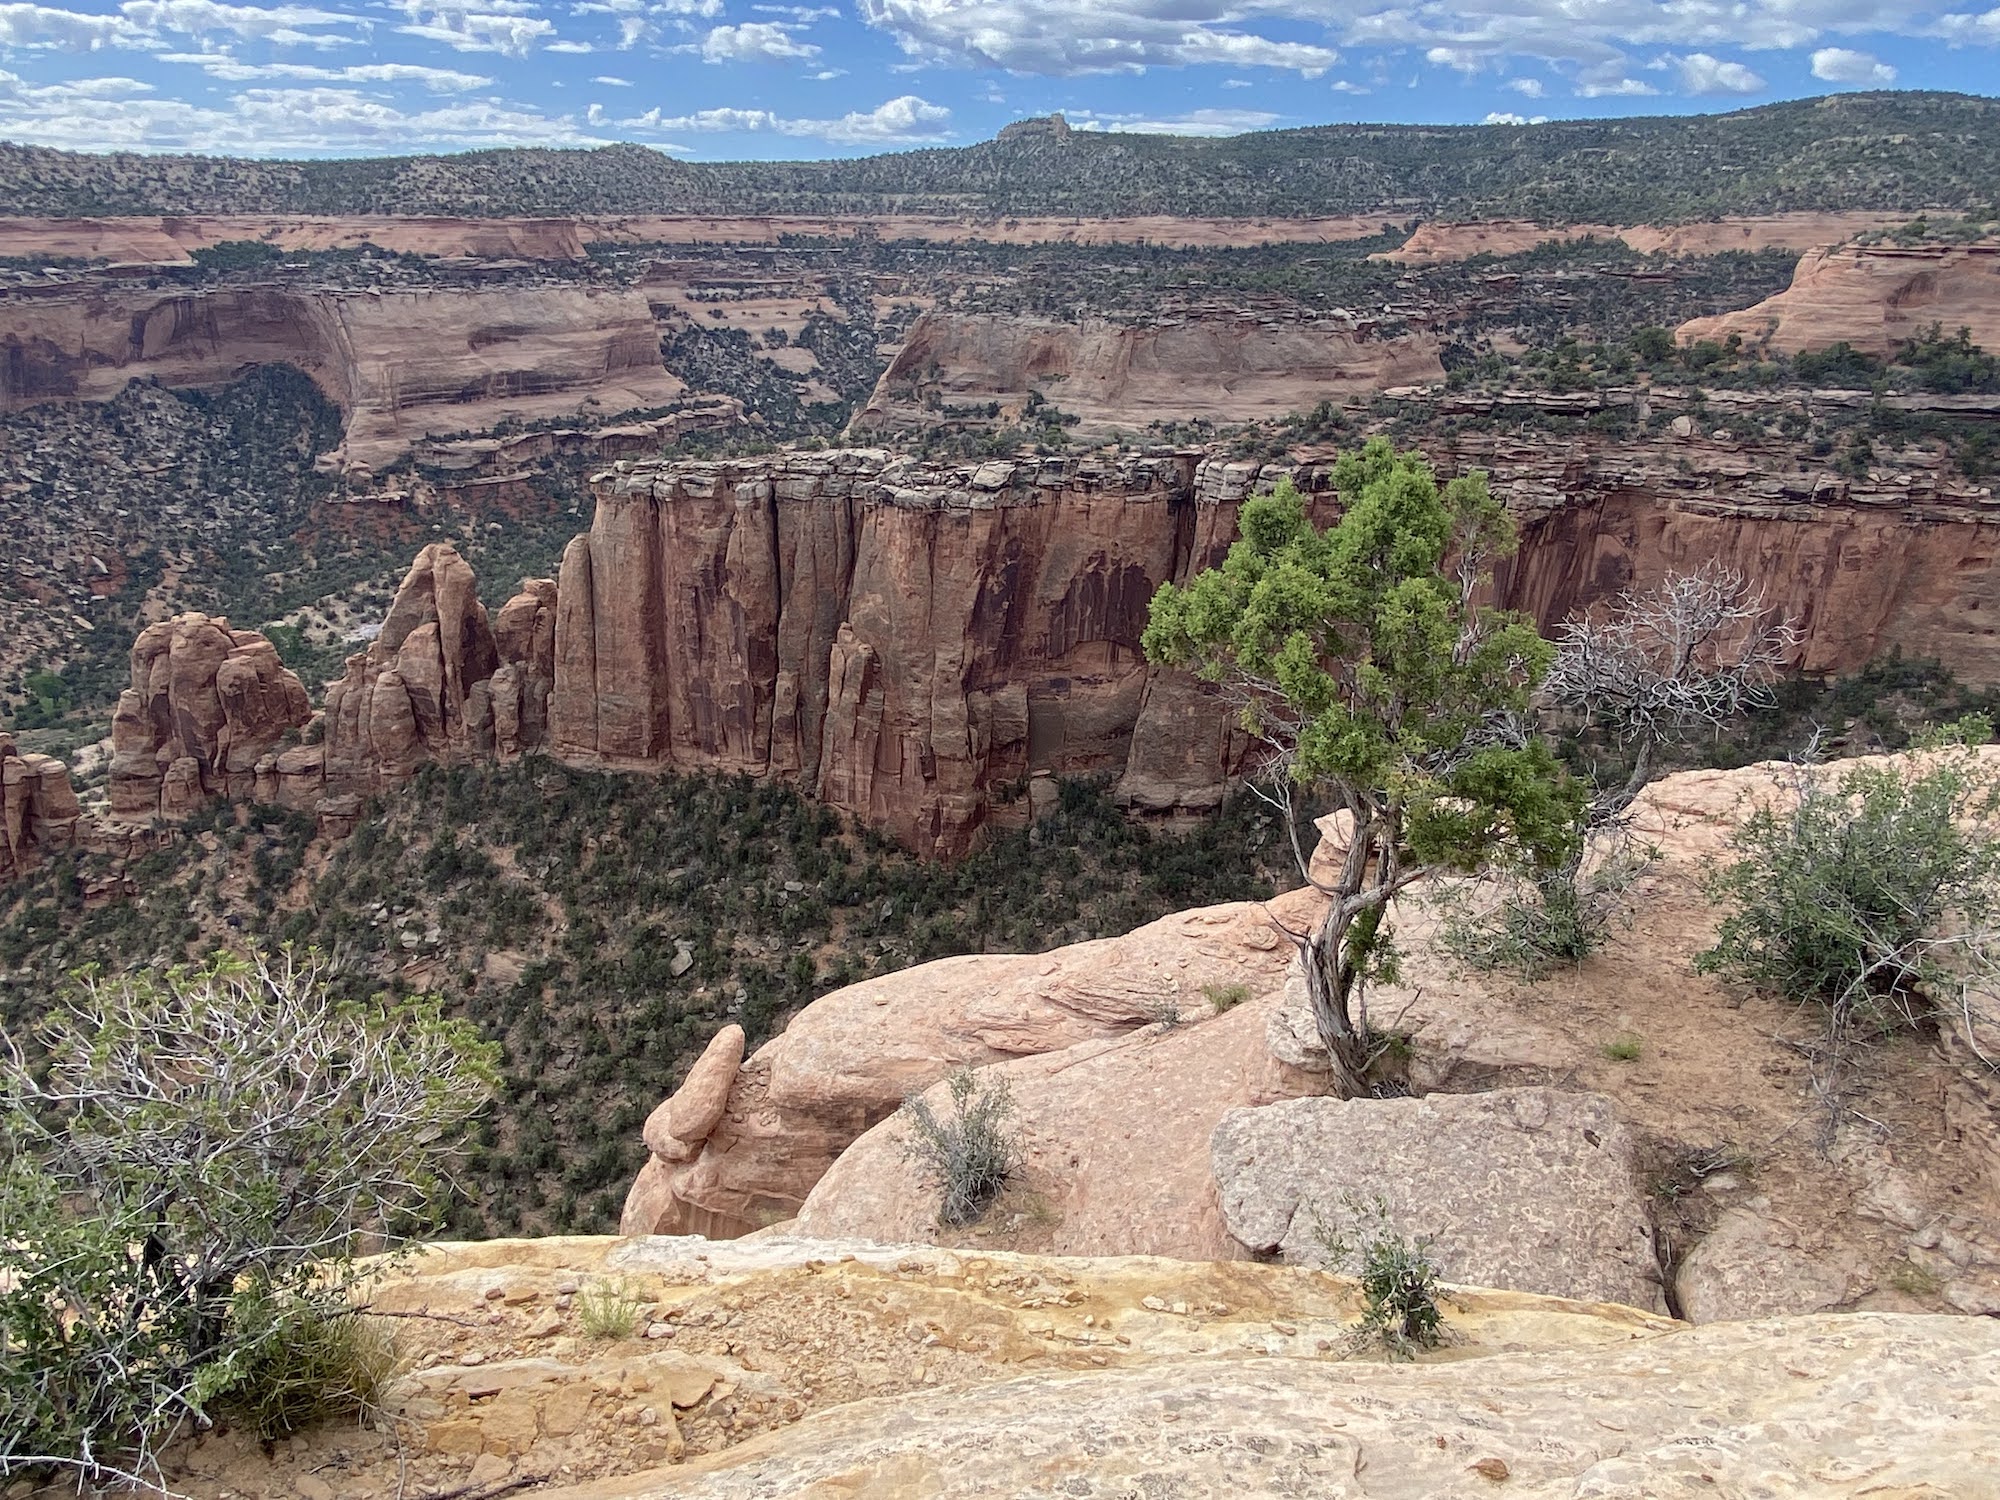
pixel 143 25
pixel 755 41
pixel 898 121
pixel 1209 122
pixel 1705 75
pixel 507 27
pixel 118 114
pixel 1839 65
pixel 1508 117
pixel 232 70
pixel 1616 88
pixel 1067 37
pixel 616 83
pixel 1527 88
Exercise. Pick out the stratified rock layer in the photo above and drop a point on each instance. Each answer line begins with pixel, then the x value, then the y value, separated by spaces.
pixel 203 718
pixel 1872 296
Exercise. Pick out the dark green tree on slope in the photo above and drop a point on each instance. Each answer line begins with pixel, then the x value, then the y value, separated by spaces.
pixel 1362 663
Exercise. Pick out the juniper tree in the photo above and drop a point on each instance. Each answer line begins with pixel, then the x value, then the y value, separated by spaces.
pixel 1373 681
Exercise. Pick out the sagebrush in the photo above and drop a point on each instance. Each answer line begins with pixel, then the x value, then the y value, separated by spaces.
pixel 968 1153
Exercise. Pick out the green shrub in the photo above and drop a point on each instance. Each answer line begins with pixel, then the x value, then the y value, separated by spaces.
pixel 608 1310
pixel 1627 1048
pixel 1863 893
pixel 968 1154
pixel 186 1161
pixel 1399 1280
pixel 1225 996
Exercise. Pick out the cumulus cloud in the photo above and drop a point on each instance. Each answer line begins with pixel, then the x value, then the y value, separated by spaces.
pixel 507 27
pixel 232 70
pixel 755 41
pixel 1705 75
pixel 1508 117
pixel 143 25
pixel 897 122
pixel 1063 38
pixel 1840 65
pixel 119 114
pixel 1528 88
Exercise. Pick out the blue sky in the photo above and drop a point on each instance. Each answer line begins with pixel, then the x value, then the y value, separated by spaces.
pixel 716 79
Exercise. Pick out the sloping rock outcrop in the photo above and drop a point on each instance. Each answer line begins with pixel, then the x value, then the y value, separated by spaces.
pixel 1531 1189
pixel 1219 363
pixel 847 1061
pixel 203 719
pixel 1871 296
pixel 38 808
pixel 1695 1412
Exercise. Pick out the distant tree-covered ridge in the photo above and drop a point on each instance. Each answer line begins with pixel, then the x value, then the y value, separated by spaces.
pixel 1882 150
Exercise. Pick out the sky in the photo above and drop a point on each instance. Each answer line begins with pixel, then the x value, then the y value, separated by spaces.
pixel 732 79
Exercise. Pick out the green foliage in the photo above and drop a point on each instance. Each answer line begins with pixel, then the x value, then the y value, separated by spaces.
pixel 1627 1048
pixel 235 255
pixel 1225 997
pixel 608 1309
pixel 1878 149
pixel 968 1154
pixel 1400 1282
pixel 1373 678
pixel 189 1157
pixel 1842 890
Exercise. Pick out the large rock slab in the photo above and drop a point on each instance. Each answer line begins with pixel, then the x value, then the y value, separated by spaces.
pixel 1529 1189
pixel 1827 1407
pixel 1748 1266
pixel 1113 1143
pixel 851 1057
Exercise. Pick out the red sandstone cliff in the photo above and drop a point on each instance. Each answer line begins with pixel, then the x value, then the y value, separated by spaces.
pixel 1224 363
pixel 401 364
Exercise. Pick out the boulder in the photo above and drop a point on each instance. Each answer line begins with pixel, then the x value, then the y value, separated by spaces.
pixel 1113 1143
pixel 1750 1266
pixel 1527 1189
pixel 677 1128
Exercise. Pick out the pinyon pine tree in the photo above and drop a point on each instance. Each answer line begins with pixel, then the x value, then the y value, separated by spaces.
pixel 1376 684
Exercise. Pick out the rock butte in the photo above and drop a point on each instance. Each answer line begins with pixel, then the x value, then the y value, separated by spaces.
pixel 38 809
pixel 1871 296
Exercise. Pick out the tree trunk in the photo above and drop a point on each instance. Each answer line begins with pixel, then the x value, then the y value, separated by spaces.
pixel 1330 982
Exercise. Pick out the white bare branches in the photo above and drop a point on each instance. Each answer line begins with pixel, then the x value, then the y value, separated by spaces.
pixel 1672 662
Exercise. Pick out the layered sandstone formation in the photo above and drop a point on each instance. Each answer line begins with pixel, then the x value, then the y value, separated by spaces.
pixel 1874 297
pixel 1222 363
pixel 913 642
pixel 38 809
pixel 202 719
pixel 1435 243
pixel 402 365
pixel 441 682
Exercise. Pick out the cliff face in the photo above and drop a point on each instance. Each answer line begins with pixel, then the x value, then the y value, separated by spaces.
pixel 914 642
pixel 1873 297
pixel 1223 364
pixel 401 364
